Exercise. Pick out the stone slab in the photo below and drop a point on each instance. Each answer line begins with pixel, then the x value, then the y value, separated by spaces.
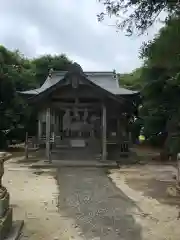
pixel 6 224
pixel 78 143
pixel 5 156
pixel 74 163
pixel 16 230
pixel 2 154
pixel 4 204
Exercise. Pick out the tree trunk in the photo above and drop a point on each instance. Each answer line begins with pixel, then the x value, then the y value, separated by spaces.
pixel 168 150
pixel 164 154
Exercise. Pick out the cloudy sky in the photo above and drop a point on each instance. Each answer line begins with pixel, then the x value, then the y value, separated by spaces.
pixel 37 27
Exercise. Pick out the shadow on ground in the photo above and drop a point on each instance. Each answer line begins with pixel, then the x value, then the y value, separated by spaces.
pixel 99 209
pixel 28 161
pixel 156 189
pixel 154 181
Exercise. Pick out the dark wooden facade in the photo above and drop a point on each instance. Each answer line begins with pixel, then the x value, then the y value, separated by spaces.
pixel 76 117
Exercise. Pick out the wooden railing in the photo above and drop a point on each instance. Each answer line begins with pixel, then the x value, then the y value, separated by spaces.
pixel 32 142
pixel 124 147
pixel 43 139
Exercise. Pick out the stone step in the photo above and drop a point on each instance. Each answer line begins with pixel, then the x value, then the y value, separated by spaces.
pixel 4 204
pixel 6 224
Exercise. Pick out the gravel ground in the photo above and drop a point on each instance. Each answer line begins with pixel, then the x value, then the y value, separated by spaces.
pixel 100 209
pixel 86 204
pixel 152 189
pixel 34 195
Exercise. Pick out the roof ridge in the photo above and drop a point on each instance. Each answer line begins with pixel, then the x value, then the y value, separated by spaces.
pixel 57 71
pixel 88 74
pixel 99 72
pixel 106 80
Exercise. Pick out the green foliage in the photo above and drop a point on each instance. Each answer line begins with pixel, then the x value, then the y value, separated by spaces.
pixel 132 80
pixel 137 14
pixel 164 50
pixel 43 64
pixel 159 82
pixel 161 109
pixel 15 75
pixel 18 73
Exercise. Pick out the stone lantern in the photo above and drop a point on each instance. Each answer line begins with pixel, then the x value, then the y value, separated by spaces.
pixel 8 228
pixel 5 210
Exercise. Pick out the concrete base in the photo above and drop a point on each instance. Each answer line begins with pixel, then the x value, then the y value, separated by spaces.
pixel 5 156
pixel 73 163
pixel 6 224
pixel 4 204
pixel 15 232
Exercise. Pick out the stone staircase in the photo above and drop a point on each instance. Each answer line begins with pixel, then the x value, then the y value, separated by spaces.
pixel 75 150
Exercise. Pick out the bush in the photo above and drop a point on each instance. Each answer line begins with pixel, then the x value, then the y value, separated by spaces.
pixel 16 135
pixel 3 140
pixel 157 140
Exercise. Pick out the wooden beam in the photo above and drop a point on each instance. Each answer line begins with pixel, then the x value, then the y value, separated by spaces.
pixel 79 105
pixel 48 127
pixel 104 133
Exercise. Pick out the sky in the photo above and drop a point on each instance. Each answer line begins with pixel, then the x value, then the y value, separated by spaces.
pixel 37 27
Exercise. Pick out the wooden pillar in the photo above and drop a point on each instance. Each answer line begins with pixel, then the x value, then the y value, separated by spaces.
pixel 178 169
pixel 104 133
pixel 26 146
pixel 48 128
pixel 57 124
pixel 118 129
pixel 39 128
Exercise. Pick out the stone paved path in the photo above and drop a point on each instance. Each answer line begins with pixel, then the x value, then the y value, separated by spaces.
pixel 99 209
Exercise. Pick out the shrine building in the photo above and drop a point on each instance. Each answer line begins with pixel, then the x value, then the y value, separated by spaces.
pixel 82 115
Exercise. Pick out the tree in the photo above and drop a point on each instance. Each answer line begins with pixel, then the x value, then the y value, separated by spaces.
pixel 132 80
pixel 18 73
pixel 137 14
pixel 164 49
pixel 161 110
pixel 159 82
pixel 43 64
pixel 15 74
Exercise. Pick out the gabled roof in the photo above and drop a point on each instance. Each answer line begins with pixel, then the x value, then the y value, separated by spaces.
pixel 105 80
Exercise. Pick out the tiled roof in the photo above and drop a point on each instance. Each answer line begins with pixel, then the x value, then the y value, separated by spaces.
pixel 105 80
